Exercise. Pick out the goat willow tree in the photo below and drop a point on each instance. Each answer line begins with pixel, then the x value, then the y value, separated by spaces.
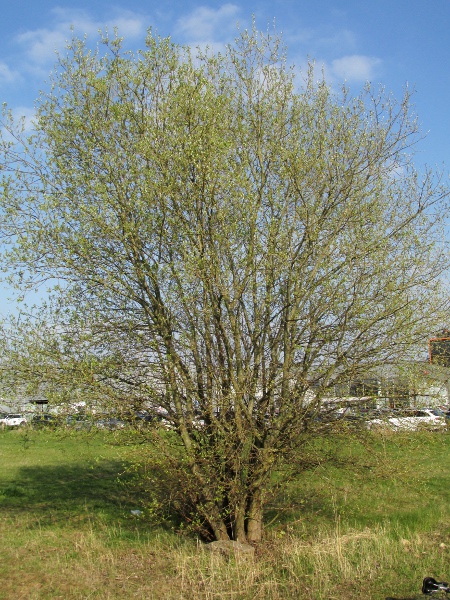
pixel 224 244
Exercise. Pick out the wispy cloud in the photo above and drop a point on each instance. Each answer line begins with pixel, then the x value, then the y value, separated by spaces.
pixel 8 75
pixel 35 49
pixel 208 26
pixel 321 41
pixel 336 52
pixel 39 45
pixel 357 68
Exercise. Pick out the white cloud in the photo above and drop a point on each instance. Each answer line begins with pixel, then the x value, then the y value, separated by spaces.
pixel 40 44
pixel 8 75
pixel 322 41
pixel 129 27
pixel 206 25
pixel 342 40
pixel 334 52
pixel 356 67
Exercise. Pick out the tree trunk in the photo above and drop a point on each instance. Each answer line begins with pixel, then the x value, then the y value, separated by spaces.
pixel 239 525
pixel 219 530
pixel 254 518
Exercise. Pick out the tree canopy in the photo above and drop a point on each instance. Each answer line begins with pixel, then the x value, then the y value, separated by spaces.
pixel 230 244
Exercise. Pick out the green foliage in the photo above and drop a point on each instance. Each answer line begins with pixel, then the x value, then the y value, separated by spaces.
pixel 227 247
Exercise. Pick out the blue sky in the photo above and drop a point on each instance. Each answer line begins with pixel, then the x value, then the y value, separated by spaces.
pixel 389 42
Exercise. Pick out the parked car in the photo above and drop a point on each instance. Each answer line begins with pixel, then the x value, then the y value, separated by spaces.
pixel 109 423
pixel 410 420
pixel 444 412
pixel 79 421
pixel 131 417
pixel 13 420
pixel 148 417
pixel 45 420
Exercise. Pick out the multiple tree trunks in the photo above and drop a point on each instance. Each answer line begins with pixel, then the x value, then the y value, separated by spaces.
pixel 229 245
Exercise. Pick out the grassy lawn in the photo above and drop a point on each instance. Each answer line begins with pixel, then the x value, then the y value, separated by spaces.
pixel 372 531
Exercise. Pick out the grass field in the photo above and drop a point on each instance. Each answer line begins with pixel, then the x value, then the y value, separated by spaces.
pixel 374 531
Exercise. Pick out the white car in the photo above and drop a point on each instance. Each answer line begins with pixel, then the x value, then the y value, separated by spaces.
pixel 13 420
pixel 410 420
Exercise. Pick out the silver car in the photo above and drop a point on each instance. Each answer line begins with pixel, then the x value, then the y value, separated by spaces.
pixel 410 420
pixel 13 420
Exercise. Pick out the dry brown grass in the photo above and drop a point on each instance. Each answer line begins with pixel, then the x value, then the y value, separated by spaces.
pixel 372 563
pixel 75 565
pixel 61 538
pixel 69 564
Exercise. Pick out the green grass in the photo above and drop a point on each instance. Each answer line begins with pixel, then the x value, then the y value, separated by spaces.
pixel 50 474
pixel 399 479
pixel 372 531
